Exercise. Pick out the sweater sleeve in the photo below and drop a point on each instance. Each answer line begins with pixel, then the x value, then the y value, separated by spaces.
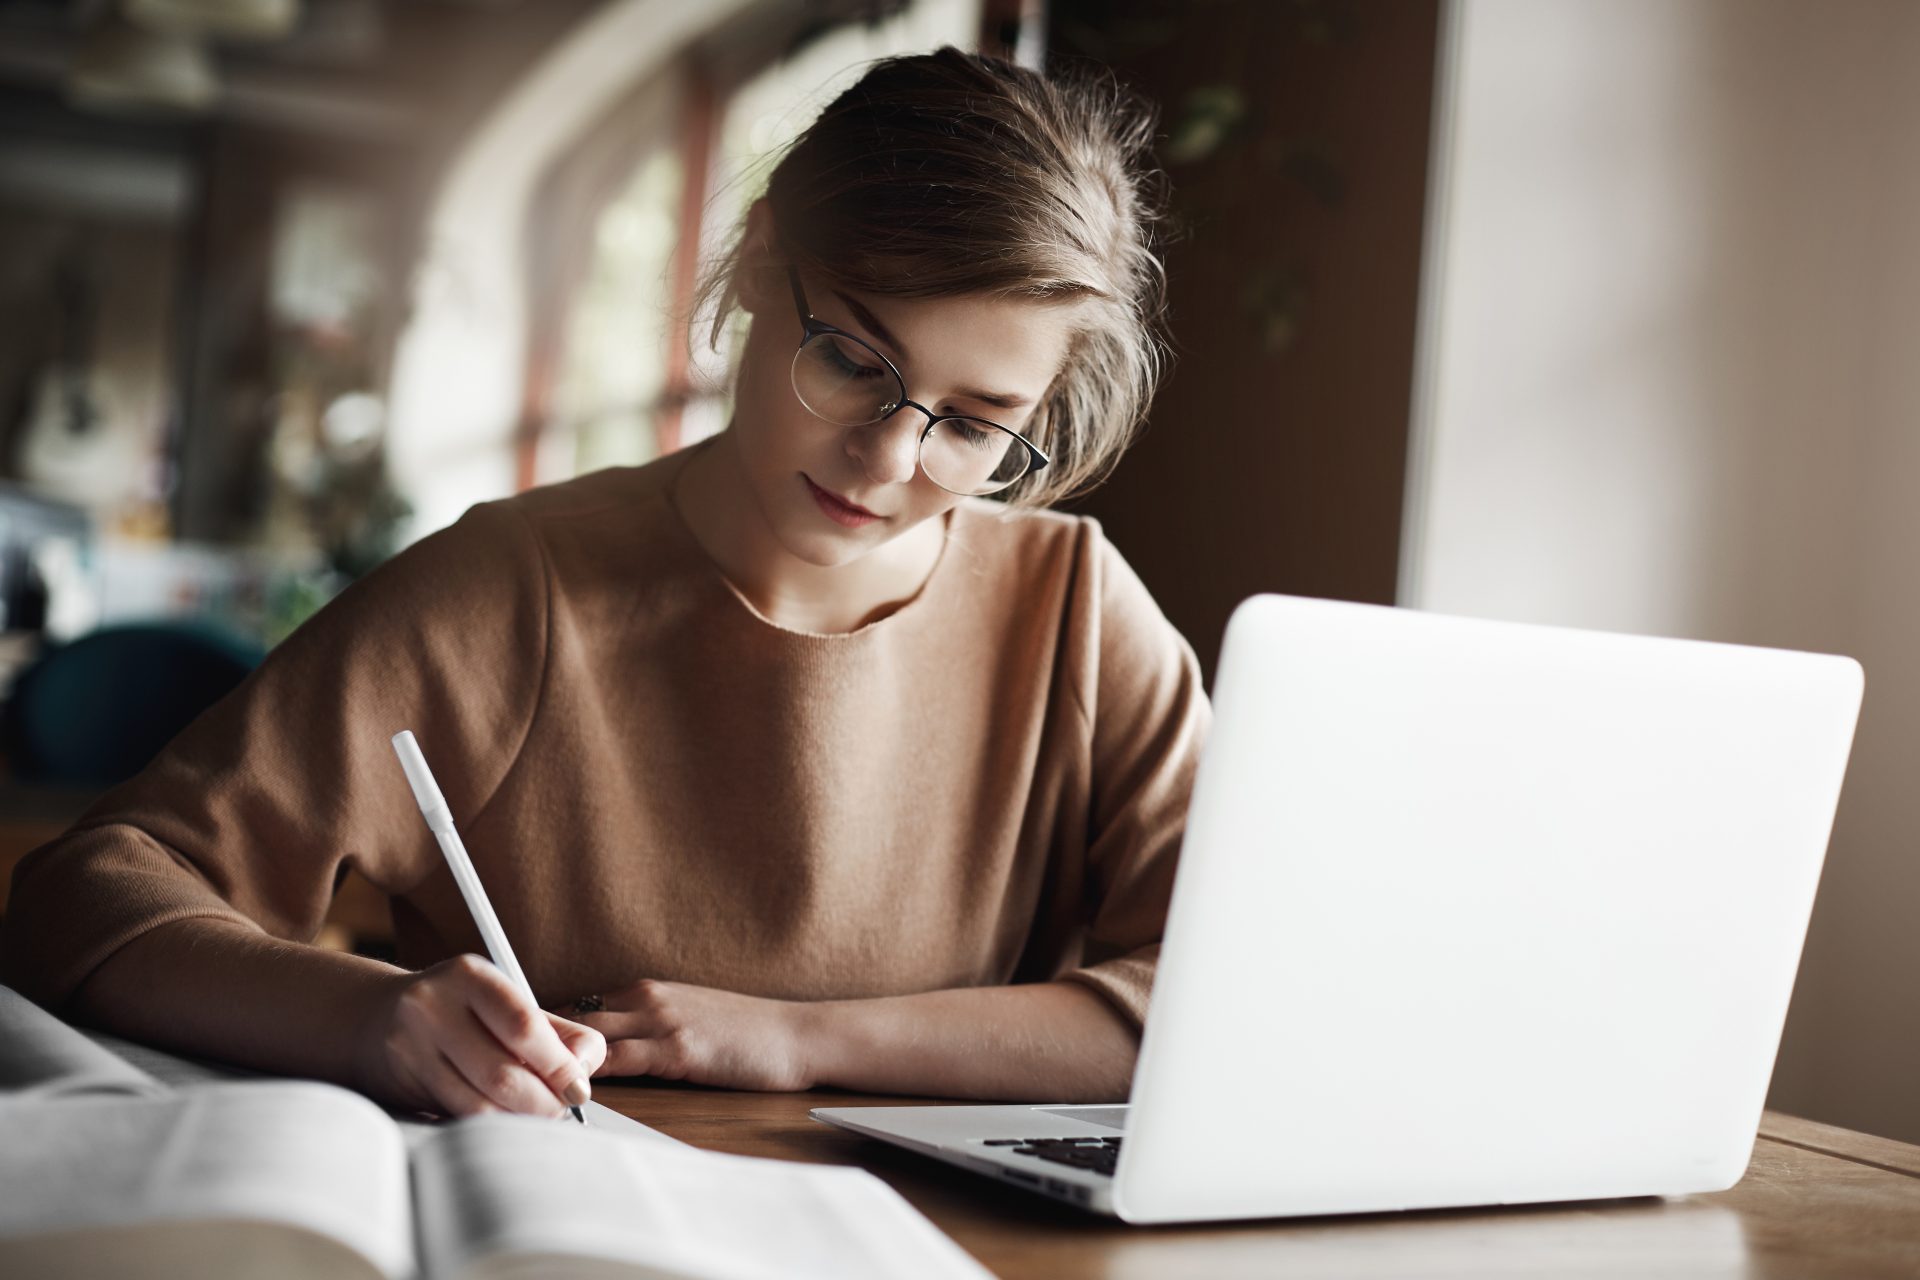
pixel 1149 716
pixel 257 808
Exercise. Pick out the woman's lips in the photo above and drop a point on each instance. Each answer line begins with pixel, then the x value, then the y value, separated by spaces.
pixel 837 509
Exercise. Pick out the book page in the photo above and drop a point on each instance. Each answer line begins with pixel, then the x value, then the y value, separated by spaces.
pixel 495 1194
pixel 43 1057
pixel 196 1250
pixel 416 1128
pixel 299 1154
pixel 170 1067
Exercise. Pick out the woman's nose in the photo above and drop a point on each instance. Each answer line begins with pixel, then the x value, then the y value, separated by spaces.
pixel 888 450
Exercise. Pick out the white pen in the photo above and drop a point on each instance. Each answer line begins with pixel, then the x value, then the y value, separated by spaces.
pixel 433 806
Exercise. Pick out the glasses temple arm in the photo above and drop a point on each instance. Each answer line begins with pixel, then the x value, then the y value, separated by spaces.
pixel 799 295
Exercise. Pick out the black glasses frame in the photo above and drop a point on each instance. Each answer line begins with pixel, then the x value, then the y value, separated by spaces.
pixel 812 327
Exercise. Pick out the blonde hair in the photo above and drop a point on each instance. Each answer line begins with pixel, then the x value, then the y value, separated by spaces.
pixel 949 173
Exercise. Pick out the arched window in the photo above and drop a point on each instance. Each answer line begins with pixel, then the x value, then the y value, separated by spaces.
pixel 548 333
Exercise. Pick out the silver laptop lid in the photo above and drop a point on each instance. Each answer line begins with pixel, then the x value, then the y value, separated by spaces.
pixel 1474 912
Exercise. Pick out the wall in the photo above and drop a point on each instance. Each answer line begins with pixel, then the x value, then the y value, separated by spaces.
pixel 1275 455
pixel 1667 387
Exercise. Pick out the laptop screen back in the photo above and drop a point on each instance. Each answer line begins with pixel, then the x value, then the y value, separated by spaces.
pixel 1474 912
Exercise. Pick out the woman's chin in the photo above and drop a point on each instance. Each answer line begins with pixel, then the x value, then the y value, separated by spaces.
pixel 827 548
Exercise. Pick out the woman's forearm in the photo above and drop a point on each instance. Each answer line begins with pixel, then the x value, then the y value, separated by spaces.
pixel 215 989
pixel 212 988
pixel 1044 1042
pixel 456 1038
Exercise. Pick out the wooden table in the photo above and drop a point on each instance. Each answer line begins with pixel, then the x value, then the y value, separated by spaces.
pixel 1816 1202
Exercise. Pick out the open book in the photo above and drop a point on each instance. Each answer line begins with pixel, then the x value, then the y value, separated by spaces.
pixel 106 1170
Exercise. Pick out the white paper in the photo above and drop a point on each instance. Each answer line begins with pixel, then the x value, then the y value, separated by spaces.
pixel 81 1147
pixel 43 1057
pixel 496 1186
pixel 307 1155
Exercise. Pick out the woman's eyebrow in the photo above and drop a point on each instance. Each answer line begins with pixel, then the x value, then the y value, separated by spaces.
pixel 871 322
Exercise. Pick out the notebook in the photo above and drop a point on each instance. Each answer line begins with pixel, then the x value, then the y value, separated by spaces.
pixel 107 1169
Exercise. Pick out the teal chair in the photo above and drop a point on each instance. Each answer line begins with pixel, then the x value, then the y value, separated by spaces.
pixel 93 712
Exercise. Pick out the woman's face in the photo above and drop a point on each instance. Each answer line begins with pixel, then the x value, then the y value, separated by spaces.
pixel 992 358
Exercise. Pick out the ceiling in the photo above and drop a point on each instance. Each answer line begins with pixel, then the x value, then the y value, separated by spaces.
pixel 374 68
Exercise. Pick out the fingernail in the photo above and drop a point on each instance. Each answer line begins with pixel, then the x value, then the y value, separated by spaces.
pixel 576 1092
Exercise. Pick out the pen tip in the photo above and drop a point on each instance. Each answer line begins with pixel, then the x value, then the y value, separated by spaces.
pixel 576 1114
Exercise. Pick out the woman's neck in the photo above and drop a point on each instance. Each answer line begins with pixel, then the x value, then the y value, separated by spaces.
pixel 713 497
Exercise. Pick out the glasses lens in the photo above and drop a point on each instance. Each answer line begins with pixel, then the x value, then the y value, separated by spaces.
pixel 844 381
pixel 972 456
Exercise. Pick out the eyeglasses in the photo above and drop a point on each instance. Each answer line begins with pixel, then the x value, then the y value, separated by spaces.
pixel 843 380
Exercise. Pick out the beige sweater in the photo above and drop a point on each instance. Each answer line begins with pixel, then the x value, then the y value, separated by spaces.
pixel 987 786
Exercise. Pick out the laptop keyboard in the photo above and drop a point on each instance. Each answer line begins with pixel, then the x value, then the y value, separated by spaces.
pixel 1095 1155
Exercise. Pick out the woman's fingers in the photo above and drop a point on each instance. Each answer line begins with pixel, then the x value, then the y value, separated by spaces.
pixel 629 1051
pixel 640 1058
pixel 454 1093
pixel 494 1070
pixel 524 1030
pixel 461 1037
pixel 588 1047
pixel 641 1043
pixel 676 1031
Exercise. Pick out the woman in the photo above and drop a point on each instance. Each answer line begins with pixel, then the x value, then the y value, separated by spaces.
pixel 817 754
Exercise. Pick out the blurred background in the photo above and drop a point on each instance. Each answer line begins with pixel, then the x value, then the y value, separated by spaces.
pixel 1593 312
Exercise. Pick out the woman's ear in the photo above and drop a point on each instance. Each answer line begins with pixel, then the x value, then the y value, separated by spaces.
pixel 759 272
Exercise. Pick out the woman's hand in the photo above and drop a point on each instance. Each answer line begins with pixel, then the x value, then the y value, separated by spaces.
pixel 704 1036
pixel 461 1039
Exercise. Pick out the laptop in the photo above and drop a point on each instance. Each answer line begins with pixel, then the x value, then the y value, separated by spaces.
pixel 1468 913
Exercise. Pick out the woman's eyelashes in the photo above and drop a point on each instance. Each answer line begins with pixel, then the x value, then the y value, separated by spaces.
pixel 844 361
pixel 851 366
pixel 975 437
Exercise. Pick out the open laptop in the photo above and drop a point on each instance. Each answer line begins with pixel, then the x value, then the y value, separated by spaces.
pixel 1467 913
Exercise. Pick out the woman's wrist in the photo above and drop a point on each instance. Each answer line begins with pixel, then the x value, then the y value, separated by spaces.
pixel 1054 1040
pixel 816 1030
pixel 372 1068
